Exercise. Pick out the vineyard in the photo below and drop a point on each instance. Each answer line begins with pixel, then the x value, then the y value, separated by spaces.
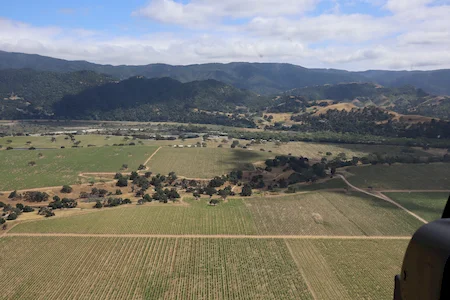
pixel 349 269
pixel 197 218
pixel 305 214
pixel 329 214
pixel 203 162
pixel 62 166
pixel 142 268
pixel 402 176
pixel 427 205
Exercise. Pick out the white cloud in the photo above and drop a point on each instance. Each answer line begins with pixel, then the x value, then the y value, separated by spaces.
pixel 204 12
pixel 414 34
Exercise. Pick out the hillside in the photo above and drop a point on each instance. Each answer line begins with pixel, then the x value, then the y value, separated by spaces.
pixel 162 99
pixel 32 93
pixel 263 78
pixel 405 100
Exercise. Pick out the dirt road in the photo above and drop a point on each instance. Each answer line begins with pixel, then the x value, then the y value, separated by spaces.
pixel 213 236
pixel 382 197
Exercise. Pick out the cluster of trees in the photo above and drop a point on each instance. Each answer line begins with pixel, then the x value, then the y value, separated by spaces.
pixel 162 195
pixel 112 202
pixel 11 213
pixel 33 196
pixel 327 136
pixel 303 171
pixel 95 193
pixel 59 203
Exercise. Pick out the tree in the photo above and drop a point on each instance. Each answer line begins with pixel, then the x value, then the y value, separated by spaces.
pixel 124 166
pixel 122 182
pixel 147 198
pixel 27 209
pixel 32 163
pixel 98 204
pixel 210 191
pixel 134 175
pixel 224 193
pixel 12 216
pixel 13 195
pixel 118 192
pixel 142 167
pixel 214 202
pixel 19 206
pixel 67 189
pixel 2 221
pixel 46 211
pixel 148 174
pixel 196 195
pixel 246 190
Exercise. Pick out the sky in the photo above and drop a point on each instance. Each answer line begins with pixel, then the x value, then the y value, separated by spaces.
pixel 340 34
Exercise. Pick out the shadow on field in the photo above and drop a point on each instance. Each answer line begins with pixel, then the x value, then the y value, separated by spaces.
pixel 242 159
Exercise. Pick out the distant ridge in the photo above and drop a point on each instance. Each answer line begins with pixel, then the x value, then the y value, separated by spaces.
pixel 262 78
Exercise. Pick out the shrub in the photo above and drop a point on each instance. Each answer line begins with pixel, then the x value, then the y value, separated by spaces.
pixel 67 189
pixel 12 216
pixel 98 204
pixel 13 195
pixel 122 182
pixel 27 209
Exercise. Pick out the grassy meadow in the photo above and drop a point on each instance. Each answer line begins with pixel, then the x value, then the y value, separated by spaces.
pixel 429 206
pixel 62 166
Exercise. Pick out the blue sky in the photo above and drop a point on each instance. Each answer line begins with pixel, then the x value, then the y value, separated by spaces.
pixel 348 34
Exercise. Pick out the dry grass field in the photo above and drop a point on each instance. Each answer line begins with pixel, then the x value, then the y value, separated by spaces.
pixel 203 162
pixel 148 268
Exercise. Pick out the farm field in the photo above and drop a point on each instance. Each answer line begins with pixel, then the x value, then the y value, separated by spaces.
pixel 427 205
pixel 319 150
pixel 231 217
pixel 329 213
pixel 62 166
pixel 302 214
pixel 203 162
pixel 402 176
pixel 148 268
pixel 349 269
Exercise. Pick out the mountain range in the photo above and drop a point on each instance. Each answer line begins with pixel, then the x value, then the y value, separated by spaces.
pixel 262 78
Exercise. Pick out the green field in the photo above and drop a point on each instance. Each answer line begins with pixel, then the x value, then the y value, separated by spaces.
pixel 349 269
pixel 427 205
pixel 306 214
pixel 402 176
pixel 148 268
pixel 203 162
pixel 329 213
pixel 62 166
